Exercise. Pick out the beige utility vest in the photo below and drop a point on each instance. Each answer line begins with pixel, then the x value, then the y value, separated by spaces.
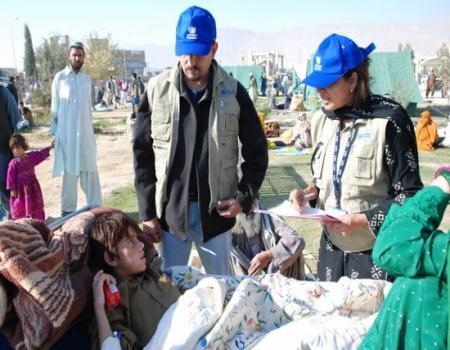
pixel 365 181
pixel 223 133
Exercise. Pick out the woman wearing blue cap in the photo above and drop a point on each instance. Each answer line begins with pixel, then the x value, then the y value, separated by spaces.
pixel 365 159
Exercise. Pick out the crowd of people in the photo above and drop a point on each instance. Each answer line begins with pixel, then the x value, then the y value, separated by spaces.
pixel 200 158
pixel 432 82
pixel 114 93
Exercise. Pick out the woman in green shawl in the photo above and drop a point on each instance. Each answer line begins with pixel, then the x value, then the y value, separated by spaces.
pixel 411 247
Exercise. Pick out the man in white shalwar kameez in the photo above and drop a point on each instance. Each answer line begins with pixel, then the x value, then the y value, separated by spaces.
pixel 75 149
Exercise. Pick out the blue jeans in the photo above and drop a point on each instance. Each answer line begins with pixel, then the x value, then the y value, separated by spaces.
pixel 5 157
pixel 215 254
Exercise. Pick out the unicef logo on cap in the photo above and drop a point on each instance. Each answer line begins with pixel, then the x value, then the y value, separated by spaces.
pixel 317 65
pixel 192 33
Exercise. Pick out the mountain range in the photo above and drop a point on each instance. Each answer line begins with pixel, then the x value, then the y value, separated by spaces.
pixel 298 44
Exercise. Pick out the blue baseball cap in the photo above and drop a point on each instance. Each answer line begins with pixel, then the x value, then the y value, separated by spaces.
pixel 336 56
pixel 196 32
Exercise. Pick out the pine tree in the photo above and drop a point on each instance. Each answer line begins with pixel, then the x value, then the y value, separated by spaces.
pixel 29 61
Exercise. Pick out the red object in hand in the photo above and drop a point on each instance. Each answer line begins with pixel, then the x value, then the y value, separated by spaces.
pixel 112 295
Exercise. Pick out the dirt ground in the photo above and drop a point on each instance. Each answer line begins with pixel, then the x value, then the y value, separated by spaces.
pixel 114 161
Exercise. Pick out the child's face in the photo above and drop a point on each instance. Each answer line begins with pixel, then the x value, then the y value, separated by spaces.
pixel 131 256
pixel 18 151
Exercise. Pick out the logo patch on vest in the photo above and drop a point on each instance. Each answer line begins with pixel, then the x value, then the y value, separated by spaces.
pixel 365 136
pixel 226 92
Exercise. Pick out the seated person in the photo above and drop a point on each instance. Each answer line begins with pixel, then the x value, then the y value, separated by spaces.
pixel 412 248
pixel 302 133
pixel 426 132
pixel 119 255
pixel 264 244
pixel 26 113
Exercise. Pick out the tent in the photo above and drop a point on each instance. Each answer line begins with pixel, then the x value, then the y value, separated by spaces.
pixel 391 73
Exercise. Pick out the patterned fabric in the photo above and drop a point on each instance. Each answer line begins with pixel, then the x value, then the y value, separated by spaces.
pixel 409 246
pixel 255 307
pixel 334 263
pixel 50 285
pixel 28 202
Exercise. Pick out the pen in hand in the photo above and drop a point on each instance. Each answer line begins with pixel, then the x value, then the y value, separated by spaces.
pixel 307 196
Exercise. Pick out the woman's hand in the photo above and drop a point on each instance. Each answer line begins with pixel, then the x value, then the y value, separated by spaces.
pixel 97 288
pixel 442 183
pixel 349 224
pixel 13 193
pixel 300 198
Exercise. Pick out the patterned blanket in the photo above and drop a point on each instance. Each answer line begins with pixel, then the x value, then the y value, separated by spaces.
pixel 45 278
pixel 267 312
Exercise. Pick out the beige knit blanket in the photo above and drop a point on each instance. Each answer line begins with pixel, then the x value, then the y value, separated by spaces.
pixel 46 280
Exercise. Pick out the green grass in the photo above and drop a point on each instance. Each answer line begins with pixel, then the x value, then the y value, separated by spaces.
pixel 110 126
pixel 124 199
pixel 41 117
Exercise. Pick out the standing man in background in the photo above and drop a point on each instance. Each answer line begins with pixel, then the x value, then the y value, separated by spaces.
pixel 134 91
pixel 431 84
pixel 12 89
pixel 75 149
pixel 186 151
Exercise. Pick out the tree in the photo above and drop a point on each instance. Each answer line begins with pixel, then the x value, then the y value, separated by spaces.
pixel 29 61
pixel 51 57
pixel 102 57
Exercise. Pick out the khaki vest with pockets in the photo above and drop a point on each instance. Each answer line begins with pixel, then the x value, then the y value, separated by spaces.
pixel 365 181
pixel 223 135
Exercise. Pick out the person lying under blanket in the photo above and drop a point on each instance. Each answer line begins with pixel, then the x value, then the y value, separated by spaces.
pixel 215 312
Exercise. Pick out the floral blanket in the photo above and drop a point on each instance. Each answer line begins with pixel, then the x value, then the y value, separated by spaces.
pixel 266 312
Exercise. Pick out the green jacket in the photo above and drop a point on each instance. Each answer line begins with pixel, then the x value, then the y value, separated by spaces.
pixel 411 247
pixel 144 300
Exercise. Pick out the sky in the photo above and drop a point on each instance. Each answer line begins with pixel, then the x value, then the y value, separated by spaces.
pixel 135 22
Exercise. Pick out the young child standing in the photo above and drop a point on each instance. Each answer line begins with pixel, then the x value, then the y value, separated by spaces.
pixel 26 199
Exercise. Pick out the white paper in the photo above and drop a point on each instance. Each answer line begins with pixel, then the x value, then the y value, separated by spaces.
pixel 287 209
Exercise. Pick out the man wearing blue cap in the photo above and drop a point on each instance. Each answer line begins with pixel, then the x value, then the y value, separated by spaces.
pixel 187 150
pixel 365 158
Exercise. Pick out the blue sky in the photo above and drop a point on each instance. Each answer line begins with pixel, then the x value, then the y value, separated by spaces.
pixel 139 21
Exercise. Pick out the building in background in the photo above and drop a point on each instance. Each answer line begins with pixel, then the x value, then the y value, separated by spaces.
pixel 131 61
pixel 60 40
pixel 271 62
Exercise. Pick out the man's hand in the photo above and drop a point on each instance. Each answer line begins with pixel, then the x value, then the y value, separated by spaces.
pixel 259 262
pixel 229 208
pixel 153 229
pixel 350 223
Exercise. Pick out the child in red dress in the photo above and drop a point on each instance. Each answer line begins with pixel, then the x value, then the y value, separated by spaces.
pixel 26 199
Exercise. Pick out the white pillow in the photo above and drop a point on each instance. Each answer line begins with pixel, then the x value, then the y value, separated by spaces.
pixel 191 317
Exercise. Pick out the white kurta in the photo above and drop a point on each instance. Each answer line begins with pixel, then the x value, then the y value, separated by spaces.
pixel 75 148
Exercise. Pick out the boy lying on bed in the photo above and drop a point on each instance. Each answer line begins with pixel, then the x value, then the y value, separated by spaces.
pixel 118 254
